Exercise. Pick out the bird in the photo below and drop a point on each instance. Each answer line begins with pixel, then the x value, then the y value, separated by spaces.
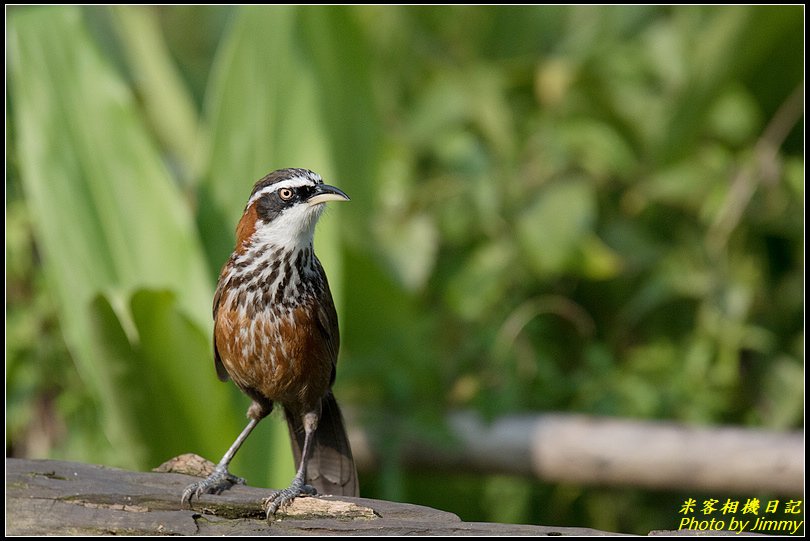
pixel 276 337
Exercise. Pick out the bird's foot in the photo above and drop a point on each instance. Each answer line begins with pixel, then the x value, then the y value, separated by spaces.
pixel 282 498
pixel 219 480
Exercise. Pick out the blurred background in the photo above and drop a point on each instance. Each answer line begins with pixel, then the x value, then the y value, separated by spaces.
pixel 596 210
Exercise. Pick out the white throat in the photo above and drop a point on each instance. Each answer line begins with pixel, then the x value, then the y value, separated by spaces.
pixel 293 229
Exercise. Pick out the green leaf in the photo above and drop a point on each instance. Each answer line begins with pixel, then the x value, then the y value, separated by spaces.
pixel 410 244
pixel 109 217
pixel 175 361
pixel 341 60
pixel 122 401
pixel 597 148
pixel 155 365
pixel 598 260
pixel 482 281
pixel 167 102
pixel 552 229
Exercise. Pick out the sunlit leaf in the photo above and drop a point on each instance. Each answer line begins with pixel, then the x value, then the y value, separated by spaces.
pixel 109 214
pixel 482 281
pixel 166 99
pixel 411 245
pixel 551 229
pixel 597 148
pixel 599 262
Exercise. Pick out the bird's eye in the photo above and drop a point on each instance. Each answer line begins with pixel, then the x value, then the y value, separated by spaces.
pixel 285 194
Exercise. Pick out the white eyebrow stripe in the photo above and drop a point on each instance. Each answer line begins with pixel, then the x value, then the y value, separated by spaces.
pixel 296 182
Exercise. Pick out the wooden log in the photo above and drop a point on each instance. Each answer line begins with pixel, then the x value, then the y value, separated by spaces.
pixel 608 451
pixel 47 497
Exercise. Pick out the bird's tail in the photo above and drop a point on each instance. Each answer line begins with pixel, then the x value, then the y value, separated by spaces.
pixel 331 468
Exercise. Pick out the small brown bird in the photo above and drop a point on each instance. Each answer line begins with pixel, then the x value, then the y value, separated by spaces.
pixel 276 336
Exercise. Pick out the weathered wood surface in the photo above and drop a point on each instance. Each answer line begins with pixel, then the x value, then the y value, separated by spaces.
pixel 47 497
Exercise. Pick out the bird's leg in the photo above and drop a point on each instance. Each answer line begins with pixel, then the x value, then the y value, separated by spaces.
pixel 220 479
pixel 298 487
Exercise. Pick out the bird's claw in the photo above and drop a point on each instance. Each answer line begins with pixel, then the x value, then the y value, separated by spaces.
pixel 282 498
pixel 219 481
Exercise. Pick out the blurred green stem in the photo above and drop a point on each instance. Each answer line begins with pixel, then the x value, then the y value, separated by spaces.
pixel 764 168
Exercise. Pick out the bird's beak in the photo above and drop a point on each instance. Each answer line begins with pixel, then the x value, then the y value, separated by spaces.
pixel 324 193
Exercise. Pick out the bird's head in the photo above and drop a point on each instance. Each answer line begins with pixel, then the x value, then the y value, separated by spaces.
pixel 283 208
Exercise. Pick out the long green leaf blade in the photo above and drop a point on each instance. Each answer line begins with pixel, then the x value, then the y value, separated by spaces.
pixel 109 216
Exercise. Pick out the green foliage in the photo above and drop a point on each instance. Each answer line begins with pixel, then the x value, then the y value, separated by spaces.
pixel 595 209
pixel 101 196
